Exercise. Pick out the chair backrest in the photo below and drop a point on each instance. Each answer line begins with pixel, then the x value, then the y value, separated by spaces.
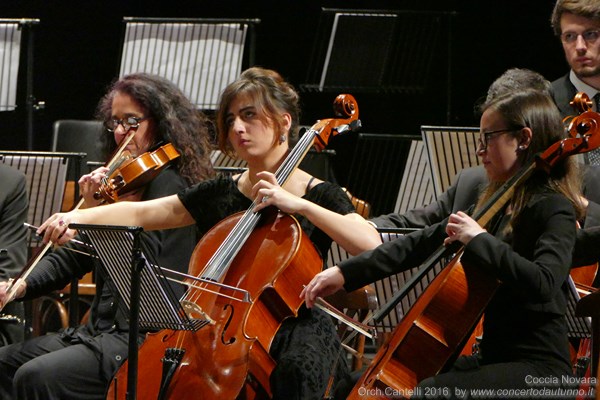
pixel 450 149
pixel 46 174
pixel 78 136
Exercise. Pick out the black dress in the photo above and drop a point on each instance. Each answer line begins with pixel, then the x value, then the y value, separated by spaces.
pixel 306 347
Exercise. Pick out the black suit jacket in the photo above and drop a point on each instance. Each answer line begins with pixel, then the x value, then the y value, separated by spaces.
pixel 459 197
pixel 13 213
pixel 14 204
pixel 563 92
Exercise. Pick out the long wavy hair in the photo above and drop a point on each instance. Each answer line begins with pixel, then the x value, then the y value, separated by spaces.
pixel 537 111
pixel 175 118
pixel 271 95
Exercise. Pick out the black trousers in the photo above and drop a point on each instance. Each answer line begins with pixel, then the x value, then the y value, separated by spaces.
pixel 56 366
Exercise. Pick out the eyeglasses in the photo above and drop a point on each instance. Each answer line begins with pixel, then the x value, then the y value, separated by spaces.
pixel 484 137
pixel 588 36
pixel 127 123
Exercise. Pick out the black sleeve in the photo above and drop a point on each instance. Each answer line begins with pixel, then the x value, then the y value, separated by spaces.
pixel 420 217
pixel 55 270
pixel 406 252
pixel 587 247
pixel 460 196
pixel 538 261
pixel 13 213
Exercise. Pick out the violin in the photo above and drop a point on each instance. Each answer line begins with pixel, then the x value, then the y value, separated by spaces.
pixel 130 173
pixel 443 317
pixel 266 255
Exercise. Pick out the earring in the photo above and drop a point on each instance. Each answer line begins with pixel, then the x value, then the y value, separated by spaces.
pixel 282 138
pixel 522 147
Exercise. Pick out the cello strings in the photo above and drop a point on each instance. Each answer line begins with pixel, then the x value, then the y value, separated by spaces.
pixel 221 259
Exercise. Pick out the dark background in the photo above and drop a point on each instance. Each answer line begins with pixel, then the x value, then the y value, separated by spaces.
pixel 77 46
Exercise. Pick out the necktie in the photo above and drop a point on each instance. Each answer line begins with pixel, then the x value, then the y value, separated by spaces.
pixel 593 157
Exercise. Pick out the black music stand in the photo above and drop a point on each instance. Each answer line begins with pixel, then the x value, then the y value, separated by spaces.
pixel 589 306
pixel 141 285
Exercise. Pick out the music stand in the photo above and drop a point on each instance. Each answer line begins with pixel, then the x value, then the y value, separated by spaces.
pixel 141 285
pixel 373 154
pixel 380 51
pixel 450 150
pixel 200 55
pixel 46 174
pixel 10 49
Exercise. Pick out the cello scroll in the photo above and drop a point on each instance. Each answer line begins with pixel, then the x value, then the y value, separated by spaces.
pixel 345 108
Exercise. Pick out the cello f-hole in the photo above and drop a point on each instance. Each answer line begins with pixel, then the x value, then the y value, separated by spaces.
pixel 167 336
pixel 231 339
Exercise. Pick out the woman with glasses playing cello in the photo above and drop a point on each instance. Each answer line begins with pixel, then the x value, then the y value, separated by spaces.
pixel 527 247
pixel 78 363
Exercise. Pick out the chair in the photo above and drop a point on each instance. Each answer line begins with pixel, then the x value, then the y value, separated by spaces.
pixel 79 136
pixel 82 136
pixel 53 312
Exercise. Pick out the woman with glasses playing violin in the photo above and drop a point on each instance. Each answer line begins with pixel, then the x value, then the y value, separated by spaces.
pixel 78 363
pixel 527 247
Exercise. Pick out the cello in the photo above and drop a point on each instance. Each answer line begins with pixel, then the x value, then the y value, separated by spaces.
pixel 443 317
pixel 264 254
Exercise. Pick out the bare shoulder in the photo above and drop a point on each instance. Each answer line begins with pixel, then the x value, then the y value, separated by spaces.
pixel 302 182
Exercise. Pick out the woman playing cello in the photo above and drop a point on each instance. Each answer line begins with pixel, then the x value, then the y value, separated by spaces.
pixel 257 115
pixel 78 363
pixel 527 247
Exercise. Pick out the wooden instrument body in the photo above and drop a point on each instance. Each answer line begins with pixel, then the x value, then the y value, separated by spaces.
pixel 430 334
pixel 276 260
pixel 134 173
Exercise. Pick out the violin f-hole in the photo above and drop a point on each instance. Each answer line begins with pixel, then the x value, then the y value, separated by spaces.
pixel 231 339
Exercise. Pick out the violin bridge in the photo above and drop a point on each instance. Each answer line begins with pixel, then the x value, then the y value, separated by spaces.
pixel 193 311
